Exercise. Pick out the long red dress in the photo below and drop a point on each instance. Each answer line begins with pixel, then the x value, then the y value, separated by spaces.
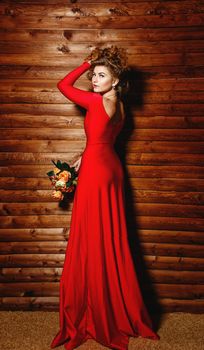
pixel 100 297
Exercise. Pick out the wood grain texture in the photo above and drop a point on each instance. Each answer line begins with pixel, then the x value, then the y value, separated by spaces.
pixel 161 145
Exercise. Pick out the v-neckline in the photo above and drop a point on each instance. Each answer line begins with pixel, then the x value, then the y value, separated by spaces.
pixel 122 120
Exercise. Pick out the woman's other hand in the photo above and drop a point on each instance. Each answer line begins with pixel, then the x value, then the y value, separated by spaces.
pixel 77 164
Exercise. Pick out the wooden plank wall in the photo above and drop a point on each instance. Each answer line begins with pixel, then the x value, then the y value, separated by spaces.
pixel 41 41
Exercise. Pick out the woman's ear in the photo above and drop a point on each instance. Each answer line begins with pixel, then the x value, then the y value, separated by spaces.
pixel 115 82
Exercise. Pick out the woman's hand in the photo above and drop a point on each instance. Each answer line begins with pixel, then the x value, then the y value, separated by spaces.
pixel 94 55
pixel 77 164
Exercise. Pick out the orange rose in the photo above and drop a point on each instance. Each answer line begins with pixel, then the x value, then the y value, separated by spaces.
pixel 64 175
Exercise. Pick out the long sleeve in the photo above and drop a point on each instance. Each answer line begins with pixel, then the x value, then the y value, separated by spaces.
pixel 78 96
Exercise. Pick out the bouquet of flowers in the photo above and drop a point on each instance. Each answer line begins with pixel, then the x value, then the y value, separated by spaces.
pixel 63 178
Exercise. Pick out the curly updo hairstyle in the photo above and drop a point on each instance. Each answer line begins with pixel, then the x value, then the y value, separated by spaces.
pixel 115 59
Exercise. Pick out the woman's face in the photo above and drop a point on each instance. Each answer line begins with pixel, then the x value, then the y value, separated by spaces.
pixel 102 79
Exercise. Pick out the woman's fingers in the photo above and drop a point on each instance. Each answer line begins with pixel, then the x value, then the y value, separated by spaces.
pixel 77 164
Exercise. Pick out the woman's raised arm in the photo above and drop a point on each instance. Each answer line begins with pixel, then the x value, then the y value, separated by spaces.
pixel 78 96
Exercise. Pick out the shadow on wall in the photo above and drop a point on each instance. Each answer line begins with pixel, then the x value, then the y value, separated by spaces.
pixel 134 101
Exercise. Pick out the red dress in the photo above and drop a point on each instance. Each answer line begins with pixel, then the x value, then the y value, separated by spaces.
pixel 100 297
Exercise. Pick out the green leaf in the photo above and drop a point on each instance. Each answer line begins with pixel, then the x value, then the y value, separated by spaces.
pixel 59 164
pixel 65 166
pixel 51 173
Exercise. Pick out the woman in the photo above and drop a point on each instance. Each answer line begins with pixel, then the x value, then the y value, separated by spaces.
pixel 99 293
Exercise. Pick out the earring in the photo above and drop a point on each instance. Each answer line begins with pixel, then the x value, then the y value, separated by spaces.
pixel 113 86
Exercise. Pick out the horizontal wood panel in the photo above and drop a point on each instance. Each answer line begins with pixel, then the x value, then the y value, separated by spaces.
pixel 132 147
pixel 52 304
pixel 57 260
pixel 180 277
pixel 105 20
pixel 139 195
pixel 33 247
pixel 173 263
pixel 41 234
pixel 178 305
pixel 87 10
pixel 68 109
pixel 103 35
pixel 149 97
pixel 142 196
pixel 155 122
pixel 19 158
pixel 29 303
pixel 161 249
pixel 32 260
pixel 37 275
pixel 153 209
pixel 39 84
pixel 188 291
pixel 80 1
pixel 39 171
pixel 54 274
pixel 145 222
pixel 78 134
pixel 132 47
pixel 46 72
pixel 142 60
pixel 61 234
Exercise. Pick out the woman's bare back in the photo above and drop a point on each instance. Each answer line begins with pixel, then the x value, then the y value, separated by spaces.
pixel 115 110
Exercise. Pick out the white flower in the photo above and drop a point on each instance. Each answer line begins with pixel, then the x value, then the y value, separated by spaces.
pixel 60 183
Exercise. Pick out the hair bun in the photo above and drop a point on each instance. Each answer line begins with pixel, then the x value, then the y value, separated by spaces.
pixel 114 55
